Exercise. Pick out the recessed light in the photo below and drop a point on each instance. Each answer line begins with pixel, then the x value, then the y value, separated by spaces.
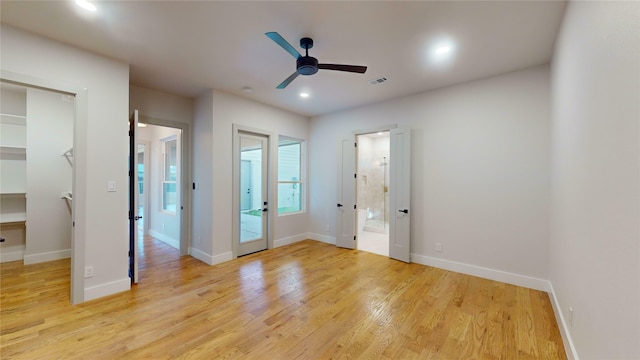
pixel 379 132
pixel 247 89
pixel 142 124
pixel 304 95
pixel 443 49
pixel 86 5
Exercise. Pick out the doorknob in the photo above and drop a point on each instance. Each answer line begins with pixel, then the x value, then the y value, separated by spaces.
pixel 406 211
pixel 339 205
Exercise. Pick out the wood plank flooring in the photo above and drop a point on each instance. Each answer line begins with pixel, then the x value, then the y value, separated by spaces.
pixel 307 300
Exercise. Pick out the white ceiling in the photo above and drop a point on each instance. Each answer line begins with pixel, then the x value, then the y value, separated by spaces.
pixel 186 47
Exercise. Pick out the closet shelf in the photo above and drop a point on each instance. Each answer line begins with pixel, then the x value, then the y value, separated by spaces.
pixel 13 149
pixel 14 194
pixel 13 218
pixel 13 119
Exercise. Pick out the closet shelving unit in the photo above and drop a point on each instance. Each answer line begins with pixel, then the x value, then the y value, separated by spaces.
pixel 13 156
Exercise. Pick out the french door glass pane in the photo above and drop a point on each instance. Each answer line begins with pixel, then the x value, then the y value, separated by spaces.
pixel 250 189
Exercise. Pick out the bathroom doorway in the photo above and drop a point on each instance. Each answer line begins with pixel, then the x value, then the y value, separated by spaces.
pixel 372 192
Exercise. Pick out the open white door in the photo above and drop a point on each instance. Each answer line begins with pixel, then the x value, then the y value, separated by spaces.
pixel 133 197
pixel 400 186
pixel 345 224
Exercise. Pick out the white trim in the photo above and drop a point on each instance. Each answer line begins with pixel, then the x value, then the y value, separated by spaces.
pixel 483 272
pixel 217 259
pixel 98 291
pixel 11 253
pixel 210 259
pixel 323 238
pixel 47 256
pixel 165 239
pixel 290 240
pixel 201 255
pixel 569 347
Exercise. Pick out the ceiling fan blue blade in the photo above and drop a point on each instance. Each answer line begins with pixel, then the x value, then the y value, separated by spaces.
pixel 287 80
pixel 347 68
pixel 284 44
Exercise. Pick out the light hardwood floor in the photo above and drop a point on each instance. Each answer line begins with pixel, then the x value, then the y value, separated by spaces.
pixel 308 300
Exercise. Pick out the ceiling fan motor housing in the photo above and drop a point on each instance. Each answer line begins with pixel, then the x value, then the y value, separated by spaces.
pixel 307 65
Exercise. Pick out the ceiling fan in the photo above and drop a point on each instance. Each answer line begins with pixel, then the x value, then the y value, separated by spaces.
pixel 308 65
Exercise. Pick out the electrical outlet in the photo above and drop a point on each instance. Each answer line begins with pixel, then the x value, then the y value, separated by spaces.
pixel 439 247
pixel 327 229
pixel 570 316
pixel 88 271
pixel 162 227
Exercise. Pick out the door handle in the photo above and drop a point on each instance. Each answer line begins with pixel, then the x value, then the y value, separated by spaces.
pixel 339 205
pixel 264 210
pixel 248 191
pixel 406 211
pixel 137 217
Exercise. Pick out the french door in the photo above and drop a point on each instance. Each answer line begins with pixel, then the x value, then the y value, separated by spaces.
pixel 252 184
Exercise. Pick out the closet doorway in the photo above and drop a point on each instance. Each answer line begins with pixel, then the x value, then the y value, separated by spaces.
pixel 42 196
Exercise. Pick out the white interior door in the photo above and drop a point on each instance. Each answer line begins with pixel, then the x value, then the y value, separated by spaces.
pixel 346 188
pixel 133 197
pixel 400 186
pixel 254 151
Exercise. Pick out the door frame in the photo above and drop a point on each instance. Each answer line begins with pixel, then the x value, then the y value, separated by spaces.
pixel 393 196
pixel 185 177
pixel 271 185
pixel 79 185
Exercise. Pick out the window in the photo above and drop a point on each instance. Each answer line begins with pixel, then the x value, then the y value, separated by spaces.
pixel 290 192
pixel 169 194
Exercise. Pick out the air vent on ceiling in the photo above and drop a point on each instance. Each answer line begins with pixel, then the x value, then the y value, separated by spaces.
pixel 379 80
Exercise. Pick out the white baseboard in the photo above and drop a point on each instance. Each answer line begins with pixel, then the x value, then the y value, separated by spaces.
pixel 217 259
pixel 201 255
pixel 324 238
pixel 210 259
pixel 47 256
pixel 165 239
pixel 486 273
pixel 569 347
pixel 110 288
pixel 290 240
pixel 11 253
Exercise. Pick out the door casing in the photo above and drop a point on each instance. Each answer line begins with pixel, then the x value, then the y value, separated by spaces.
pixel 399 188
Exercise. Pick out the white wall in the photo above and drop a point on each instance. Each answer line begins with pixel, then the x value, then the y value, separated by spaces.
pixel 49 174
pixel 107 83
pixel 160 105
pixel 202 204
pixel 595 237
pixel 480 169
pixel 215 114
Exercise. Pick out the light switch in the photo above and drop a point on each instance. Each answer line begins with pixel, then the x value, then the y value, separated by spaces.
pixel 111 186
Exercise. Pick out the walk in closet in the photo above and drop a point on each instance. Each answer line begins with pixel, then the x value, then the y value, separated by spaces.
pixel 36 168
